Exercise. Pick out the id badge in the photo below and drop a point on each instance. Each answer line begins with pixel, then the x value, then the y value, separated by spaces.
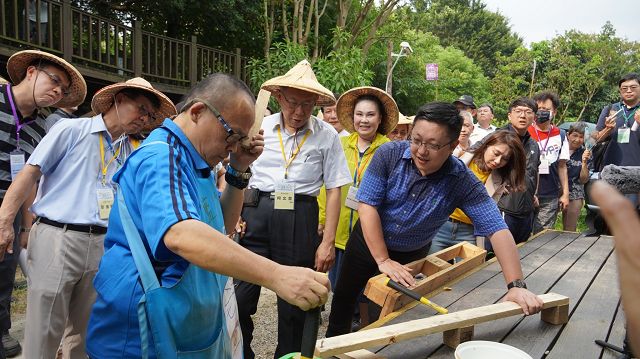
pixel 284 196
pixel 623 135
pixel 105 201
pixel 543 169
pixel 351 201
pixel 17 162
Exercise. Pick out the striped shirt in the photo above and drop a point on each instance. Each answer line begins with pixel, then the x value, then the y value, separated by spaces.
pixel 412 207
pixel 30 136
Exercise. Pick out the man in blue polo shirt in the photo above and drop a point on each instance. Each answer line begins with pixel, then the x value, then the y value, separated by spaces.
pixel 167 230
pixel 408 192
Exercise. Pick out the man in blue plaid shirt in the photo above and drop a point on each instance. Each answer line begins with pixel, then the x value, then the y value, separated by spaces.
pixel 409 190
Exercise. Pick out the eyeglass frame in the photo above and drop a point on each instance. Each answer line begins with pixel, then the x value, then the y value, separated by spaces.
pixel 624 89
pixel 518 112
pixel 230 132
pixel 56 80
pixel 295 105
pixel 429 146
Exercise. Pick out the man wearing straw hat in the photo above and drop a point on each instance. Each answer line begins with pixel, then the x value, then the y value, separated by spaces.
pixel 38 79
pixel 301 153
pixel 74 163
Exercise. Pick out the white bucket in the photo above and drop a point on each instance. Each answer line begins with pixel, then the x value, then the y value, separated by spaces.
pixel 480 349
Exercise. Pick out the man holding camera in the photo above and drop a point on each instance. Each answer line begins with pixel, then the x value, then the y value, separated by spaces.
pixel 552 193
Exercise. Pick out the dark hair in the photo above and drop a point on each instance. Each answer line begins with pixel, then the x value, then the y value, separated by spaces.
pixel 629 77
pixel 379 105
pixel 219 89
pixel 134 93
pixel 578 127
pixel 513 173
pixel 336 95
pixel 524 101
pixel 441 113
pixel 43 63
pixel 486 104
pixel 548 95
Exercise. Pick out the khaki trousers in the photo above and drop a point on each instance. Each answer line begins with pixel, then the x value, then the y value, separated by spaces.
pixel 61 265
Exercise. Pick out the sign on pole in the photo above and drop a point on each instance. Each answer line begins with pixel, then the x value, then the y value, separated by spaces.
pixel 432 72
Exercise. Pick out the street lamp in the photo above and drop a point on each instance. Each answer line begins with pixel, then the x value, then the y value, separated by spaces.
pixel 405 50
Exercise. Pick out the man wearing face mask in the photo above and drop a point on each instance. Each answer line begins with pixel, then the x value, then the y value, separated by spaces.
pixel 39 80
pixel 553 188
pixel 74 163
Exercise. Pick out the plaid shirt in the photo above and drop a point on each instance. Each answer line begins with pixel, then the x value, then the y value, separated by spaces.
pixel 412 207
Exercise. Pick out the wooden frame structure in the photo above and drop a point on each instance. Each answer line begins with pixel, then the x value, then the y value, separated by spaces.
pixel 437 270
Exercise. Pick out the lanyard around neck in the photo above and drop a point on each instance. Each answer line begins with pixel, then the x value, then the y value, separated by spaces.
pixel 287 163
pixel 19 125
pixel 629 116
pixel 114 156
pixel 361 164
pixel 544 149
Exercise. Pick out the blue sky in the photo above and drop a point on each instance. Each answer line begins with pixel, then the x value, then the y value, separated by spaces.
pixel 536 20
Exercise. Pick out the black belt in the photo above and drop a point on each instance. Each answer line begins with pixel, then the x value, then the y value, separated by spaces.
pixel 74 227
pixel 299 197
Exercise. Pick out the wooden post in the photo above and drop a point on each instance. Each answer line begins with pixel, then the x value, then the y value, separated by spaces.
pixel 67 31
pixel 237 66
pixel 193 61
pixel 452 338
pixel 137 49
pixel 556 315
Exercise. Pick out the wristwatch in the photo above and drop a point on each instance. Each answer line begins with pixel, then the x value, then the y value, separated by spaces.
pixel 518 283
pixel 241 175
pixel 239 180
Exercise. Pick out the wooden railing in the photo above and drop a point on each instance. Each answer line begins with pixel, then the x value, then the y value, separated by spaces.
pixel 111 47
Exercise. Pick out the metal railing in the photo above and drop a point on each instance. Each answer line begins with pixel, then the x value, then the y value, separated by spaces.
pixel 112 48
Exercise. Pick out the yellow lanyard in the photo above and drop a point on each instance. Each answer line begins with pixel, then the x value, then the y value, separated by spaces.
pixel 102 159
pixel 360 165
pixel 287 163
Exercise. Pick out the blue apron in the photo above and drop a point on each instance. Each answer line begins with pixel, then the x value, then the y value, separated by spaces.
pixel 197 317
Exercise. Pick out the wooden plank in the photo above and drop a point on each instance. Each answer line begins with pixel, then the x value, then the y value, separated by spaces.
pixel 359 354
pixel 485 286
pixel 539 281
pixel 400 332
pixel 616 334
pixel 592 317
pixel 533 336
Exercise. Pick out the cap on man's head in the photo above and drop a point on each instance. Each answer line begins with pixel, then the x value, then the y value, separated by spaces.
pixel 19 62
pixel 103 99
pixel 301 77
pixel 486 104
pixel 466 100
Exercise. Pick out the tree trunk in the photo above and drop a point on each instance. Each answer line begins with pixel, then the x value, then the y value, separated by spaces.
pixel 316 29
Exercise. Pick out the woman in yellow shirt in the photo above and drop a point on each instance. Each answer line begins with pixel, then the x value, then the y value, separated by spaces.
pixel 499 163
pixel 369 114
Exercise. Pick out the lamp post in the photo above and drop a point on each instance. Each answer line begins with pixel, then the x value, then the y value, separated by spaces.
pixel 405 50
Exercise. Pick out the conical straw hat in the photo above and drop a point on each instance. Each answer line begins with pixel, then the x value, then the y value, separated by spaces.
pixel 347 103
pixel 301 77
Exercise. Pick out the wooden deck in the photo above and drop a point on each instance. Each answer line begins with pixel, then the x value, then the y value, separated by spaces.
pixel 581 268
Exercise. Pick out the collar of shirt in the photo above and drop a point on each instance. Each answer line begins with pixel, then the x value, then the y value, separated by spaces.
pixel 198 162
pixel 379 140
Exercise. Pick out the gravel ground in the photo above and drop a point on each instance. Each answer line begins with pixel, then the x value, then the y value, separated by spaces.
pixel 266 325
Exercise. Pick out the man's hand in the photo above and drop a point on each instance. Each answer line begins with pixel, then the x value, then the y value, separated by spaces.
pixel 397 272
pixel 24 239
pixel 325 255
pixel 243 157
pixel 563 202
pixel 301 287
pixel 536 203
pixel 610 122
pixel 529 302
pixel 636 117
pixel 320 230
pixel 7 236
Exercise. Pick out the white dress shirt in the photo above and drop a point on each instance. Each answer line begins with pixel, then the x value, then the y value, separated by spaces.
pixel 480 133
pixel 320 160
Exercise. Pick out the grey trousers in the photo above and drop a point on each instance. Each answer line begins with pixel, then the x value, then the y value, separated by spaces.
pixel 62 265
pixel 546 214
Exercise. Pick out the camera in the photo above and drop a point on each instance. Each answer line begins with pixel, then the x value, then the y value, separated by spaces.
pixel 543 116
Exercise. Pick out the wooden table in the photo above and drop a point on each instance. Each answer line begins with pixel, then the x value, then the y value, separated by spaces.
pixel 582 268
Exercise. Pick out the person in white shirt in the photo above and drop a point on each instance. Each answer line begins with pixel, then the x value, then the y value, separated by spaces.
pixel 484 126
pixel 301 153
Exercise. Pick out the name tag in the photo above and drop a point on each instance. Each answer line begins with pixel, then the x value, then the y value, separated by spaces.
pixel 16 159
pixel 623 135
pixel 351 201
pixel 543 169
pixel 105 202
pixel 285 197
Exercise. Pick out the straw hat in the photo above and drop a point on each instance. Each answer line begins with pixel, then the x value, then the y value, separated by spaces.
pixel 347 101
pixel 3 81
pixel 19 62
pixel 405 120
pixel 103 99
pixel 301 77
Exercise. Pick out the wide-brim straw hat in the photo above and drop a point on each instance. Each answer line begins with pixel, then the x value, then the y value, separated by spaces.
pixel 347 103
pixel 19 62
pixel 405 120
pixel 103 99
pixel 303 78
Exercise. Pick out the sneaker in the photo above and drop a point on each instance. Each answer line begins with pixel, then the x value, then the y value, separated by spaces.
pixel 12 347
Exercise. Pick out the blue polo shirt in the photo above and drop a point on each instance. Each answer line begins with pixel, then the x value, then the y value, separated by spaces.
pixel 413 207
pixel 159 187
